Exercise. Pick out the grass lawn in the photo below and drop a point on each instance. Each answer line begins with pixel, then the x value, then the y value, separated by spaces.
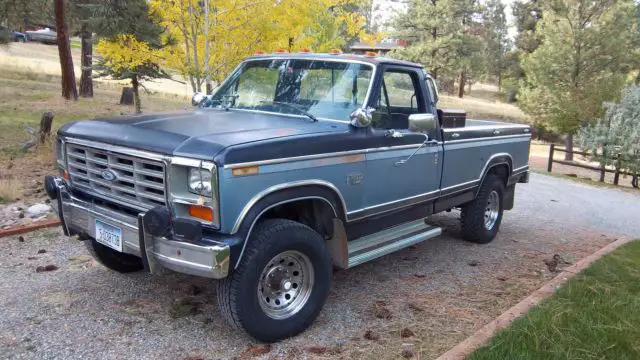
pixel 596 315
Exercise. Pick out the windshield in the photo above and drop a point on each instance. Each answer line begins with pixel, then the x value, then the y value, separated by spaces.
pixel 312 88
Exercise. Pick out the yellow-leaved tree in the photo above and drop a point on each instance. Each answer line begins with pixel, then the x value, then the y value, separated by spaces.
pixel 130 45
pixel 212 37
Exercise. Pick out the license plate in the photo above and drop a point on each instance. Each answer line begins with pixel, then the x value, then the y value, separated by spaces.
pixel 109 235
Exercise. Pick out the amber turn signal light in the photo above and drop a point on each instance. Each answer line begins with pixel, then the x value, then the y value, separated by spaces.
pixel 201 212
pixel 245 171
pixel 65 175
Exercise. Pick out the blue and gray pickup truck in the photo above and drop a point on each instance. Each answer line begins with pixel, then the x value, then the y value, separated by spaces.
pixel 296 164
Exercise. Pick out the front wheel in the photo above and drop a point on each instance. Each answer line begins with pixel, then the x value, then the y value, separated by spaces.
pixel 481 217
pixel 281 283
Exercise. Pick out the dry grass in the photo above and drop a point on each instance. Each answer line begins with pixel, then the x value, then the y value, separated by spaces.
pixel 484 107
pixel 25 95
pixel 10 189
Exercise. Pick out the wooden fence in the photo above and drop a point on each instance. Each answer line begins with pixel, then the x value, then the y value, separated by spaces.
pixel 601 169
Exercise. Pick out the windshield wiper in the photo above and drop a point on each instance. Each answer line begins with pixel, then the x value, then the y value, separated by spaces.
pixel 292 106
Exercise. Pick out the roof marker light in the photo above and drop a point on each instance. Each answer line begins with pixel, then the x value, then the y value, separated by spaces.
pixel 305 50
pixel 281 51
pixel 259 52
pixel 370 54
pixel 335 52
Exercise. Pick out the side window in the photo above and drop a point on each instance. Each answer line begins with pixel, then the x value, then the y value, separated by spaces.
pixel 399 98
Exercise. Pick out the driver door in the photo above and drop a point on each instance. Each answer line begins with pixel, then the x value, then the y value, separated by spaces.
pixel 405 167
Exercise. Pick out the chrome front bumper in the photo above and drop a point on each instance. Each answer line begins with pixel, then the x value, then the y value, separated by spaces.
pixel 157 253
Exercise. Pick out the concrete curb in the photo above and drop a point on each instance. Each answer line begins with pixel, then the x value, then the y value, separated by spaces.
pixel 24 228
pixel 482 336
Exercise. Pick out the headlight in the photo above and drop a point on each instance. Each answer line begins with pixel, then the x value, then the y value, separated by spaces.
pixel 60 152
pixel 200 181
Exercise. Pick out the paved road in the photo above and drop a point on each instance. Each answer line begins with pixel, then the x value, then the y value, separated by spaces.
pixel 568 204
pixel 441 290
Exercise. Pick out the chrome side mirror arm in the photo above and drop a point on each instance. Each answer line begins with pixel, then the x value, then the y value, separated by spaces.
pixel 424 143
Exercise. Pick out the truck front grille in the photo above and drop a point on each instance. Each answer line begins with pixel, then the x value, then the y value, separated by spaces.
pixel 123 178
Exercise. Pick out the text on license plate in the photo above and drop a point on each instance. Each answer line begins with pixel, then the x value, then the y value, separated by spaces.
pixel 109 235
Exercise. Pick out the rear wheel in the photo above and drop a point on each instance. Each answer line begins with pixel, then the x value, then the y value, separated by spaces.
pixel 481 217
pixel 281 283
pixel 112 259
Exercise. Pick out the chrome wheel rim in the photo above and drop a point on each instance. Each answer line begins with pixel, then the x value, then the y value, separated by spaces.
pixel 492 210
pixel 285 284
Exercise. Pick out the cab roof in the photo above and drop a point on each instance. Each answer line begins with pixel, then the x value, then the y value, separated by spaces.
pixel 374 60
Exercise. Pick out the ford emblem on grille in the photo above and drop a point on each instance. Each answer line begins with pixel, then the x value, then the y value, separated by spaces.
pixel 109 175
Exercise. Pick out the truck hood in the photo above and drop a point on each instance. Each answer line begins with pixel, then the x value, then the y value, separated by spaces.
pixel 199 134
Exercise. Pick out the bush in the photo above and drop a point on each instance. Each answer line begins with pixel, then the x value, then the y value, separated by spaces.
pixel 617 135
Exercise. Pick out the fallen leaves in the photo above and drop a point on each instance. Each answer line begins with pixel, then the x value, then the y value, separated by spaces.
pixel 46 268
pixel 370 335
pixel 183 308
pixel 322 350
pixel 406 333
pixel 380 310
pixel 255 350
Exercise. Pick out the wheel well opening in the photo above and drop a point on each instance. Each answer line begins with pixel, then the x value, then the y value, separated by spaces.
pixel 315 213
pixel 502 171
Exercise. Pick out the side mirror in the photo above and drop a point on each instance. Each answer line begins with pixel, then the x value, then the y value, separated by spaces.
pixel 198 98
pixel 361 117
pixel 422 122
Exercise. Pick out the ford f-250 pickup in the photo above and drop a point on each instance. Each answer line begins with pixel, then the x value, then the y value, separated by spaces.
pixel 296 164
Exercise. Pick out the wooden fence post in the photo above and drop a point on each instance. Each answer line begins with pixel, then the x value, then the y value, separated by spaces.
pixel 550 164
pixel 616 175
pixel 603 165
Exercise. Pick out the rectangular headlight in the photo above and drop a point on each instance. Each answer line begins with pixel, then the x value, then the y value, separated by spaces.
pixel 200 181
pixel 60 152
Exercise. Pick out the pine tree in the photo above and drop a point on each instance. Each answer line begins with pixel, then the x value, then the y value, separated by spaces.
pixel 496 39
pixel 441 35
pixel 583 59
pixel 130 41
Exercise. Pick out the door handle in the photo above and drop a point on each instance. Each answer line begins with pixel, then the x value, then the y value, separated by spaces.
pixel 496 132
pixel 455 135
pixel 431 142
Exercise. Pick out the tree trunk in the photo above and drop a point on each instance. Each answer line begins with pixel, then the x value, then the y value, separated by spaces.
pixel 461 84
pixel 499 81
pixel 45 126
pixel 638 78
pixel 568 145
pixel 126 98
pixel 86 61
pixel 136 94
pixel 69 90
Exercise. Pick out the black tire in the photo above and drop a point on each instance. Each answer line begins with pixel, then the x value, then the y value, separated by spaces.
pixel 474 228
pixel 116 261
pixel 237 294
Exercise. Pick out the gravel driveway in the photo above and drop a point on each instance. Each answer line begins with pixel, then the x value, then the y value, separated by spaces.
pixel 418 302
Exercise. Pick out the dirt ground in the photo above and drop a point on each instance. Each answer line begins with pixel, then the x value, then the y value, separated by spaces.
pixel 415 303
